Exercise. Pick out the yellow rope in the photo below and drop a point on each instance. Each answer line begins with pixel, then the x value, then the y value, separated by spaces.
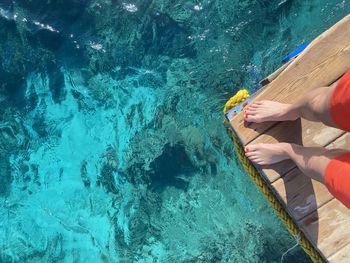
pixel 275 203
pixel 240 96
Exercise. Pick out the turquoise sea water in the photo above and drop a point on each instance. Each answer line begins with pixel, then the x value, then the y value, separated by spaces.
pixel 112 141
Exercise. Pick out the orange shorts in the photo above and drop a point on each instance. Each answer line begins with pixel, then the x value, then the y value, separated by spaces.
pixel 337 174
pixel 340 103
pixel 337 178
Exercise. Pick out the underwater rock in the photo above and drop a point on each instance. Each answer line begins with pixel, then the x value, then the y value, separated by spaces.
pixel 11 87
pixel 5 175
pixel 32 98
pixel 109 168
pixel 193 139
pixel 34 168
pixel 56 82
pixel 40 126
pixel 120 243
pixel 86 74
pixel 150 80
pixel 79 98
pixel 144 148
pixel 84 175
pixel 171 168
pixel 101 90
pixel 13 139
pixel 142 227
pixel 13 135
pixel 135 109
pixel 171 129
pixel 159 66
pixel 181 11
pixel 19 54
pixel 139 227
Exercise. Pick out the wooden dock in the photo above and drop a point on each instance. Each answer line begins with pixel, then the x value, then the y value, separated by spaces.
pixel 323 219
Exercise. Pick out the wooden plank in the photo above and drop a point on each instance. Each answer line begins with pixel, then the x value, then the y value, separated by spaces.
pixel 342 142
pixel 300 194
pixel 322 62
pixel 328 227
pixel 330 245
pixel 342 256
pixel 301 132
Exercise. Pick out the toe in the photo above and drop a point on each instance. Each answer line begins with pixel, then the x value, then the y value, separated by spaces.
pixel 252 108
pixel 254 159
pixel 260 162
pixel 252 118
pixel 266 102
pixel 250 148
pixel 250 154
pixel 257 103
pixel 254 105
pixel 251 112
pixel 253 147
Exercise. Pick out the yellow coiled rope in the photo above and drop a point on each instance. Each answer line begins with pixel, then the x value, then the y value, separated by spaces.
pixel 240 96
pixel 275 203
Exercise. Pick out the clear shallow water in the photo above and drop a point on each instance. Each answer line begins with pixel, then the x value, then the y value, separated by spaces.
pixel 112 142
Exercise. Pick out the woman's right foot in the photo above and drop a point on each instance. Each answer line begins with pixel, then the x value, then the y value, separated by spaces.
pixel 267 110
pixel 265 154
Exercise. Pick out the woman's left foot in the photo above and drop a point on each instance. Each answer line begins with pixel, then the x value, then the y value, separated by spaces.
pixel 264 154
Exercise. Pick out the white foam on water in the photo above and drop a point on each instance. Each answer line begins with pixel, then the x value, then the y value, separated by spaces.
pixel 132 8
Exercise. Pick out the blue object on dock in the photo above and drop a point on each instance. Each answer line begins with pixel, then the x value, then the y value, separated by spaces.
pixel 296 52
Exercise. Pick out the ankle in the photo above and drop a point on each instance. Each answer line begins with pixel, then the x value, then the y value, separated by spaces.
pixel 287 149
pixel 292 112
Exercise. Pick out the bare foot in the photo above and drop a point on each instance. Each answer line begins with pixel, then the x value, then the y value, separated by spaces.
pixel 263 153
pixel 266 110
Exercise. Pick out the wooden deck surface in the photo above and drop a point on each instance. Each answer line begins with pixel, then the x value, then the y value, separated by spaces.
pixel 323 219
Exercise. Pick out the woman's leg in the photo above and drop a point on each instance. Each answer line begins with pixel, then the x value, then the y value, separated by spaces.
pixel 314 107
pixel 312 161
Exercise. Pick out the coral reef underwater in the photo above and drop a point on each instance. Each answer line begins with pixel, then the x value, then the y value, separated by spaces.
pixel 112 141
